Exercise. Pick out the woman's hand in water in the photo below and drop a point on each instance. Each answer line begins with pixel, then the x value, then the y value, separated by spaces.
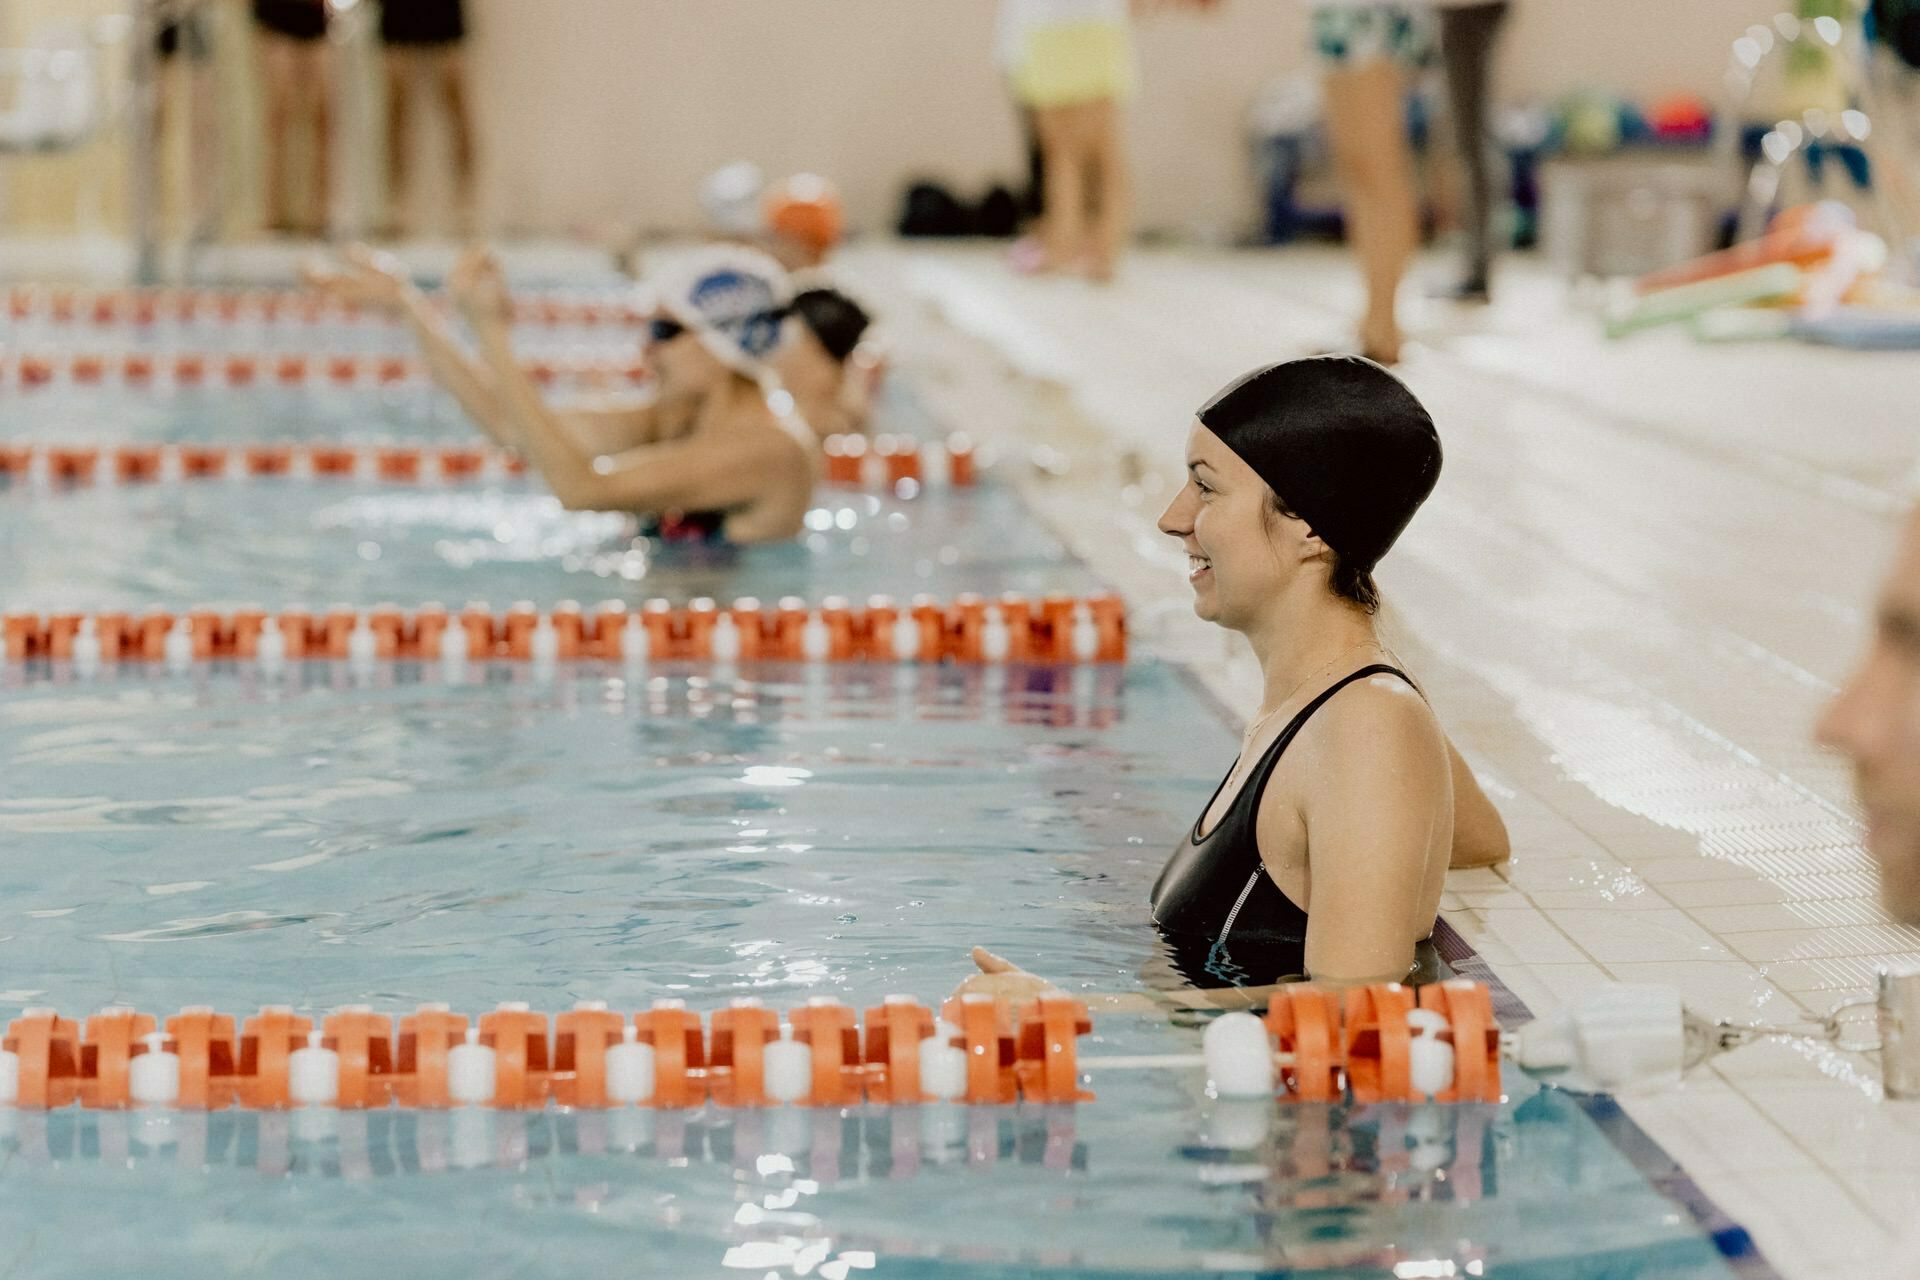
pixel 480 288
pixel 1002 979
pixel 361 277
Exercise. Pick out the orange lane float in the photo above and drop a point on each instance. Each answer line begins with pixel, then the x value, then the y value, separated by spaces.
pixel 981 1050
pixel 514 1058
pixel 1056 631
pixel 895 464
pixel 78 465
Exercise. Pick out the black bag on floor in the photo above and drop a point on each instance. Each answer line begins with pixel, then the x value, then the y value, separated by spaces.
pixel 930 209
pixel 998 214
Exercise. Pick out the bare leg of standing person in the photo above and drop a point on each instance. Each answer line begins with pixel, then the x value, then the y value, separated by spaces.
pixel 1467 37
pixel 1366 121
pixel 400 77
pixel 1113 206
pixel 316 77
pixel 277 59
pixel 1063 141
pixel 450 73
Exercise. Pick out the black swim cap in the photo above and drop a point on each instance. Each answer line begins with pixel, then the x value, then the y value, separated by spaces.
pixel 834 318
pixel 1341 442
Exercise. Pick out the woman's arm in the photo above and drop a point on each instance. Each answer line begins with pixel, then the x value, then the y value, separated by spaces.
pixel 683 475
pixel 376 280
pixel 1479 833
pixel 1379 798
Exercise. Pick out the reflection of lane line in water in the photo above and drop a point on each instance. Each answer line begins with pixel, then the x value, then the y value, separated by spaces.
pixel 1292 1162
pixel 1080 696
pixel 825 1145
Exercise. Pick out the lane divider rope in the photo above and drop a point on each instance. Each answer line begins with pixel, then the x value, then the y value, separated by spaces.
pixel 970 629
pixel 1374 1044
pixel 893 464
pixel 30 371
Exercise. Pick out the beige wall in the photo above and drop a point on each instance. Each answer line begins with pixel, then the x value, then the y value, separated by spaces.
pixel 604 114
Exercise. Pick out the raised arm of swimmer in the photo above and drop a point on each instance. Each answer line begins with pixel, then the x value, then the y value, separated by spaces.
pixel 568 464
pixel 376 280
pixel 737 459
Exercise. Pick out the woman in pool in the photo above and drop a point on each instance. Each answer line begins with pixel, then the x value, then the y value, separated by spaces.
pixel 1323 853
pixel 719 449
pixel 825 359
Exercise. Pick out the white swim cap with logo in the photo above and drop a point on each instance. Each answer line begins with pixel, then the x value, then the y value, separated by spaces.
pixel 730 297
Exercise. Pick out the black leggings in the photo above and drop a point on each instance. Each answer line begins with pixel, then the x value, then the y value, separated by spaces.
pixel 1467 36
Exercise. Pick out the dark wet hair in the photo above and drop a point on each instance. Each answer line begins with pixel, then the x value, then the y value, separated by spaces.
pixel 832 317
pixel 1343 445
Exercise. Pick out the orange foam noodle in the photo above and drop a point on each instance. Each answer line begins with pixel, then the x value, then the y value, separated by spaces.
pixel 1796 245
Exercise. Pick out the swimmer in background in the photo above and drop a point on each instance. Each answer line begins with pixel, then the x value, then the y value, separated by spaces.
pixel 719 451
pixel 1324 851
pixel 826 359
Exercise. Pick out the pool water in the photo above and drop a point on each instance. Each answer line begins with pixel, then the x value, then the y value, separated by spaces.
pixel 781 833
pixel 327 836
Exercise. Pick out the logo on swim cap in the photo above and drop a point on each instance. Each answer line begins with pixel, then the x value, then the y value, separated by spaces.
pixel 741 306
pixel 732 297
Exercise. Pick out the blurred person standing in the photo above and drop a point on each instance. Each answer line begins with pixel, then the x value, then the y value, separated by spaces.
pixel 1071 65
pixel 1469 32
pixel 426 40
pixel 296 75
pixel 1368 51
pixel 183 45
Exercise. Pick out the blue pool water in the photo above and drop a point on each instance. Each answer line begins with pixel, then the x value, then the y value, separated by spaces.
pixel 325 837
pixel 785 834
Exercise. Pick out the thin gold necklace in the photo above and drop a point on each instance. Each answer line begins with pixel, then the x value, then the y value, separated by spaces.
pixel 1246 739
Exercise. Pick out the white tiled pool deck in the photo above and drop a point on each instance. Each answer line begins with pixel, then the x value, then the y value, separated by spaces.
pixel 1646 566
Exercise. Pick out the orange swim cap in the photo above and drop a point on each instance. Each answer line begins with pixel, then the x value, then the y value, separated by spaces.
pixel 806 208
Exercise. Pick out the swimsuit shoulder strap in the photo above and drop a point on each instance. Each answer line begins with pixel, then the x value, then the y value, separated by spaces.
pixel 1248 797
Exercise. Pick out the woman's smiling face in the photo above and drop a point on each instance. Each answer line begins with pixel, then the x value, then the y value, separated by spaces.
pixel 1241 550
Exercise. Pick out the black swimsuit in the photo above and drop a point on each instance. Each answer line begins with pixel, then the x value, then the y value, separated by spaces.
pixel 1225 922
pixel 303 20
pixel 423 22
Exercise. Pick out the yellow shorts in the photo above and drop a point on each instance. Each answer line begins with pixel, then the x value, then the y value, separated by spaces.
pixel 1065 66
